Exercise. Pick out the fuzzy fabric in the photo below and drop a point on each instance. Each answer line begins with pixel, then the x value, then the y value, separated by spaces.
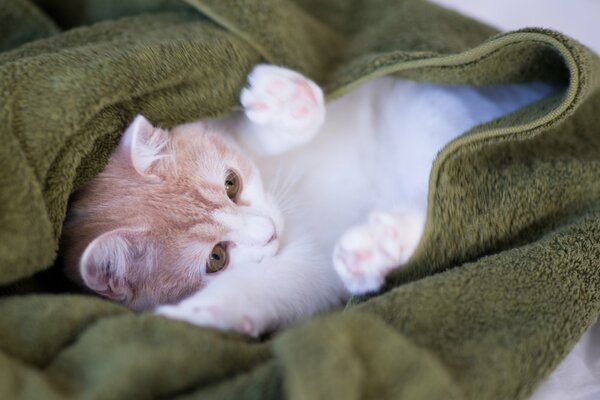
pixel 504 282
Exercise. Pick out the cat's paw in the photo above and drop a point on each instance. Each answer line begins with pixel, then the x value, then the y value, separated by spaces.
pixel 210 315
pixel 366 253
pixel 283 100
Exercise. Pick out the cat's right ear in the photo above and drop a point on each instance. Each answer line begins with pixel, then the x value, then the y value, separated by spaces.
pixel 110 261
pixel 142 146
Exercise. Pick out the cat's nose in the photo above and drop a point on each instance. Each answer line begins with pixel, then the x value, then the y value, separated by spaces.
pixel 252 230
pixel 273 236
pixel 269 231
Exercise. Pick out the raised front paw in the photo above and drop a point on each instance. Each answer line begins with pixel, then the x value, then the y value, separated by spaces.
pixel 366 253
pixel 210 315
pixel 283 100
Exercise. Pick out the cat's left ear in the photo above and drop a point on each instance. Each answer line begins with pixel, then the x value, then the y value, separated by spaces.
pixel 112 260
pixel 143 146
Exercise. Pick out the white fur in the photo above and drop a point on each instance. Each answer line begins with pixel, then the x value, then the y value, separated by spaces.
pixel 279 115
pixel 367 252
pixel 374 151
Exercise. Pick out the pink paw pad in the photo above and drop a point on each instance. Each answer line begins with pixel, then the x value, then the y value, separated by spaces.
pixel 306 91
pixel 283 99
pixel 300 112
pixel 365 254
pixel 258 105
pixel 276 86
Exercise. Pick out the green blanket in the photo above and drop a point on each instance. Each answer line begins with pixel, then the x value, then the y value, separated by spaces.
pixel 503 284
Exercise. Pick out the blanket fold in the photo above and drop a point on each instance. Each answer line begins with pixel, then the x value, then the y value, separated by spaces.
pixel 504 282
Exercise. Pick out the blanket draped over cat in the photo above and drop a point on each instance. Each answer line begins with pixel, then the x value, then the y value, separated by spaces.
pixel 506 278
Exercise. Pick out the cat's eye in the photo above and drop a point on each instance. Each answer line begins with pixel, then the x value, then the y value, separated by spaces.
pixel 217 259
pixel 232 185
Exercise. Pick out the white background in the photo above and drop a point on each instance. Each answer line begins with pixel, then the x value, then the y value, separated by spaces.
pixel 579 19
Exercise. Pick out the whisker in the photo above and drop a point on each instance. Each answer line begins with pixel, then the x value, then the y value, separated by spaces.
pixel 281 187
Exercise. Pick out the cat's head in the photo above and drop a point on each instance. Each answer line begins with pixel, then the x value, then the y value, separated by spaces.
pixel 171 211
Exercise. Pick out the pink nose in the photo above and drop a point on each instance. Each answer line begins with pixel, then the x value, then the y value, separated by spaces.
pixel 273 237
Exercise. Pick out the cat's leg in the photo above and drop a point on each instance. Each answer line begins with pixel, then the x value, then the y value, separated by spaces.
pixel 221 307
pixel 213 312
pixel 282 110
pixel 258 298
pixel 366 253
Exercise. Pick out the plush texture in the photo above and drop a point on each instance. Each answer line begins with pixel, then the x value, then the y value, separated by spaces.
pixel 506 278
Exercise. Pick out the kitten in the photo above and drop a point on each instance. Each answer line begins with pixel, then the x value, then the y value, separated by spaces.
pixel 256 221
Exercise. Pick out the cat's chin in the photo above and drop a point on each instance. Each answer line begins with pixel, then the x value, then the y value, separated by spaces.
pixel 270 250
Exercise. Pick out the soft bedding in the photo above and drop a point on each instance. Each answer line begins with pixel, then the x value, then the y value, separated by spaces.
pixel 503 284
